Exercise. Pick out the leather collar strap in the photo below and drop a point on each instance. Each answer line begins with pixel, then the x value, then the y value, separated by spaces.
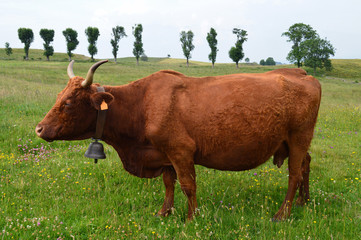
pixel 101 119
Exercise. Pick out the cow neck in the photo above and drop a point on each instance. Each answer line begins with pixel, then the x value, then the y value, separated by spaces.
pixel 125 119
pixel 100 119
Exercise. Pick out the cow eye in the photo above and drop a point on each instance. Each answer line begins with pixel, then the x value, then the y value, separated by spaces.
pixel 67 104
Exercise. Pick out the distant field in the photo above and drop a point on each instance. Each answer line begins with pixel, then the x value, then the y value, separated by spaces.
pixel 350 68
pixel 50 190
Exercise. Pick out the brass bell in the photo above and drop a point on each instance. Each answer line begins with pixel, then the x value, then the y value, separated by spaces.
pixel 95 150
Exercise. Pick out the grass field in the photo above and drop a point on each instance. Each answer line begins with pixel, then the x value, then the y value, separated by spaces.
pixel 50 190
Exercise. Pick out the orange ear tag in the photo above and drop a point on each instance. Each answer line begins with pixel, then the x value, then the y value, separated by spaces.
pixel 103 106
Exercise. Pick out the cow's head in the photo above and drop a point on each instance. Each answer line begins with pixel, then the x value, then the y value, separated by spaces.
pixel 73 116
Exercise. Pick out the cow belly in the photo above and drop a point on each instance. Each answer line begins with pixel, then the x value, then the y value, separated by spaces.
pixel 144 161
pixel 237 159
pixel 231 162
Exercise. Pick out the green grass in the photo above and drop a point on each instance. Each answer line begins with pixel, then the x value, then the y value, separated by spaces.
pixel 50 190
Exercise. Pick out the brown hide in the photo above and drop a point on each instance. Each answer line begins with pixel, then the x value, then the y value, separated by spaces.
pixel 167 122
pixel 233 122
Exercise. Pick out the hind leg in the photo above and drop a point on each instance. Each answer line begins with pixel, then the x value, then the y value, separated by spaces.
pixel 298 145
pixel 304 192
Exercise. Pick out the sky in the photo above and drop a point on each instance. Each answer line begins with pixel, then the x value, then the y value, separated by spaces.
pixel 163 20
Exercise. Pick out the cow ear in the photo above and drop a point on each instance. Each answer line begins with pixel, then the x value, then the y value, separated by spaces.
pixel 98 98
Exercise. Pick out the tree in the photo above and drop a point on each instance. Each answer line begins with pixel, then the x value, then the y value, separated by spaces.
pixel 247 60
pixel 117 34
pixel 186 39
pixel 92 34
pixel 212 42
pixel 297 34
pixel 236 53
pixel 270 61
pixel 138 44
pixel 71 41
pixel 48 36
pixel 262 62
pixel 144 57
pixel 8 49
pixel 26 36
pixel 317 53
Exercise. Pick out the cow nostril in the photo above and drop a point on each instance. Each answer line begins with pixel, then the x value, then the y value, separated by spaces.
pixel 38 130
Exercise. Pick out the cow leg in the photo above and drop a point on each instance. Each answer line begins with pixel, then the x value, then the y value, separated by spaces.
pixel 298 150
pixel 304 193
pixel 183 164
pixel 169 179
pixel 187 180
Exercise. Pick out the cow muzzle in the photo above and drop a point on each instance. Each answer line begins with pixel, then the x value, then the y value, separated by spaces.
pixel 38 130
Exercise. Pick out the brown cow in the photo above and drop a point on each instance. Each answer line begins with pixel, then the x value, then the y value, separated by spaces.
pixel 167 122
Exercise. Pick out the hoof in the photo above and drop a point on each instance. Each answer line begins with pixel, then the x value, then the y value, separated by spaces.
pixel 278 219
pixel 280 216
pixel 162 214
pixel 165 213
pixel 300 202
pixel 275 220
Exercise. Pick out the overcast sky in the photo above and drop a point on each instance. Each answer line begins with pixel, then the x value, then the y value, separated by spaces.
pixel 163 20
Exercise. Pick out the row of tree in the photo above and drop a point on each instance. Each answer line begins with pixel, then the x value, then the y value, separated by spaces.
pixel 235 53
pixel 308 48
pixel 26 36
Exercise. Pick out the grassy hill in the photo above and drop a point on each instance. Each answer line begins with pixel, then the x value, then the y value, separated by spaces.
pixel 343 68
pixel 346 68
pixel 38 55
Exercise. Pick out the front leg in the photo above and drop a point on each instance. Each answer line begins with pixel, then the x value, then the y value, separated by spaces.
pixel 181 156
pixel 187 180
pixel 173 140
pixel 169 179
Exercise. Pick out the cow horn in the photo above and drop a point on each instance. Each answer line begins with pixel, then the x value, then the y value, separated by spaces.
pixel 70 69
pixel 89 77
